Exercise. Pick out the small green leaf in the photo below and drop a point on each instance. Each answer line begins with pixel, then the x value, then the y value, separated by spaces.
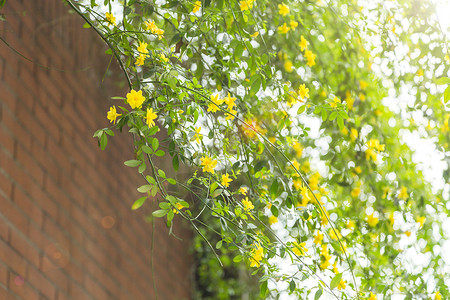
pixel 263 289
pixel 155 144
pixel 333 115
pixel 144 188
pixel 237 258
pixel 86 25
pixel 103 141
pixel 150 179
pixel 147 149
pixel 160 213
pixel 142 168
pixel 219 244
pixel 318 294
pixel 274 210
pixel 171 181
pixel 340 122
pixel 447 94
pixel 161 173
pixel 274 188
pixel 175 163
pixel 335 281
pixel 132 163
pixel 160 153
pixel 443 80
pixel 164 205
pixel 292 286
pixel 216 193
pixel 138 203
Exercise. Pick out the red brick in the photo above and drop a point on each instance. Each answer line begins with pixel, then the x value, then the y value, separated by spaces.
pixel 13 260
pixel 40 282
pixel 22 245
pixel 6 140
pixel 22 288
pixel 5 295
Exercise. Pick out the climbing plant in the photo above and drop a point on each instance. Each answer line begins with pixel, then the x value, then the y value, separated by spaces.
pixel 295 119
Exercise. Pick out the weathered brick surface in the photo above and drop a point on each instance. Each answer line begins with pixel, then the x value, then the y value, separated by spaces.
pixel 66 228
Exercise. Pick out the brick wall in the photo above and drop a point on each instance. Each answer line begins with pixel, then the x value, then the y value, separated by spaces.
pixel 66 228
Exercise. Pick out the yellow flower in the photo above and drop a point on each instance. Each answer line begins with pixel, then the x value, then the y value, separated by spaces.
pixel 299 249
pixel 437 296
pixel 179 206
pixel 350 224
pixel 341 285
pixel 272 220
pixel 372 221
pixel 353 134
pixel 358 170
pixel 140 60
pixel 335 269
pixel 216 102
pixel 112 114
pixel 310 57
pixel 257 255
pixel 208 164
pixel 283 28
pixel 283 9
pixel 288 66
pixel 363 84
pixel 229 101
pixel 110 19
pixel 298 149
pixel 163 57
pixel 362 97
pixel 303 43
pixel 293 24
pixel 372 296
pixel 142 48
pixel 248 205
pixel 303 92
pixel 135 99
pixel 318 238
pixel 150 25
pixel 255 34
pixel 231 114
pixel 243 190
pixel 246 4
pixel 333 234
pixel 403 193
pixel 197 134
pixel 335 102
pixel 197 6
pixel 421 221
pixel 355 192
pixel 151 116
pixel 226 180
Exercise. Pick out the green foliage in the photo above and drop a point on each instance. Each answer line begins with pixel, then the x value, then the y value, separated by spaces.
pixel 289 116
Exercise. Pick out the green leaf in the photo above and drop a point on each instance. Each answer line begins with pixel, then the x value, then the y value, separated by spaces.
pixel 171 181
pixel 301 109
pixel 160 153
pixel 161 173
pixel 132 163
pixel 109 132
pixel 340 122
pixel 274 210
pixel 274 188
pixel 333 115
pixel 335 281
pixel 86 25
pixel 160 213
pixel 216 193
pixel 219 244
pixel 447 94
pixel 138 203
pixel 142 168
pixel 443 80
pixel 175 163
pixel 150 179
pixel 292 286
pixel 147 149
pixel 103 141
pixel 237 258
pixel 263 289
pixel 318 294
pixel 144 188
pixel 155 144
pixel 164 205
